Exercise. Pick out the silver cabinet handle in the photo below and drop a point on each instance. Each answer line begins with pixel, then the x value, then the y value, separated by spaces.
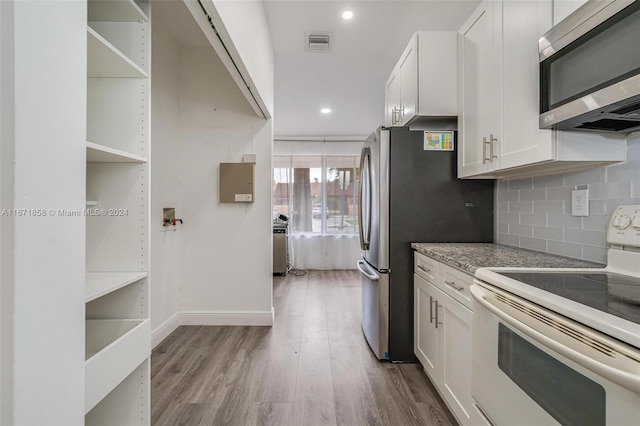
pixel 401 113
pixel 484 151
pixel 437 320
pixel 453 285
pixel 431 317
pixel 428 271
pixel 492 142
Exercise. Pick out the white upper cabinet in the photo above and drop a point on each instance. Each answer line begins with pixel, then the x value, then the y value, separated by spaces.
pixel 498 102
pixel 478 84
pixel 423 82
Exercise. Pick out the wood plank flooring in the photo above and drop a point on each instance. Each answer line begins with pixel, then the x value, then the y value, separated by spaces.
pixel 313 367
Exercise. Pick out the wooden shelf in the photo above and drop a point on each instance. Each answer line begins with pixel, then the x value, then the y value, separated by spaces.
pixel 114 348
pixel 103 154
pixel 105 60
pixel 115 11
pixel 98 284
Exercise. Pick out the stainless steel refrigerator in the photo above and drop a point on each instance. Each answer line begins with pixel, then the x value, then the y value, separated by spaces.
pixel 409 192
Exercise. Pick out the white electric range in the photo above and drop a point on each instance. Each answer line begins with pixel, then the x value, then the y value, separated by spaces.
pixel 561 346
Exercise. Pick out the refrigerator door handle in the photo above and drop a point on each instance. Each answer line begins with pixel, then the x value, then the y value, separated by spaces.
pixel 367 273
pixel 365 158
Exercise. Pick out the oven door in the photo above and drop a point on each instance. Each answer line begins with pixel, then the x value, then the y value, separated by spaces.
pixel 534 367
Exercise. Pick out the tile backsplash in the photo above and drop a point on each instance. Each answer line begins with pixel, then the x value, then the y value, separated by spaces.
pixel 535 213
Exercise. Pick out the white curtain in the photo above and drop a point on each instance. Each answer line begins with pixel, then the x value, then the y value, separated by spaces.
pixel 317 251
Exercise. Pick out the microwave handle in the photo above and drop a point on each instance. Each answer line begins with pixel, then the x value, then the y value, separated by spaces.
pixel 623 378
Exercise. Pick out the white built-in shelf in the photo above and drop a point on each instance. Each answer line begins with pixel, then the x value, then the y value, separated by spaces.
pixel 103 154
pixel 105 60
pixel 115 11
pixel 97 284
pixel 91 203
pixel 114 348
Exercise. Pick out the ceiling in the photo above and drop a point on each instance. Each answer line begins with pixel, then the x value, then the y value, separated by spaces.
pixel 349 78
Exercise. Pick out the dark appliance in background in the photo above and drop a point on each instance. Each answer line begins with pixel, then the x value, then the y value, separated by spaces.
pixel 409 192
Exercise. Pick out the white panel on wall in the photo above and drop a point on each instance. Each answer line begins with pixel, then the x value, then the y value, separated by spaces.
pixel 48 114
pixel 535 213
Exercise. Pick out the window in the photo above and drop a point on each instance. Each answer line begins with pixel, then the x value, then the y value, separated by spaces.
pixel 317 192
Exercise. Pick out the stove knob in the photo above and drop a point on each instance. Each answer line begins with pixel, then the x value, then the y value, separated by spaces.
pixel 621 221
pixel 636 223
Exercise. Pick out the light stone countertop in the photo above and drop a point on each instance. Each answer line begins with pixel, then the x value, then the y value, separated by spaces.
pixel 468 257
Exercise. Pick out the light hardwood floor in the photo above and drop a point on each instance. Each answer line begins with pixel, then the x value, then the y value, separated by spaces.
pixel 313 367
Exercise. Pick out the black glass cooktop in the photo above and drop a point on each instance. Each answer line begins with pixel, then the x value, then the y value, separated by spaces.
pixel 615 294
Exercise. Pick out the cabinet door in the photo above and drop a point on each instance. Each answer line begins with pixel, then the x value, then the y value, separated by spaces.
pixel 392 97
pixel 455 343
pixel 409 81
pixel 478 74
pixel 426 341
pixel 522 141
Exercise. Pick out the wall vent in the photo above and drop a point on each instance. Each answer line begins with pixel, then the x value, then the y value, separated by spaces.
pixel 316 42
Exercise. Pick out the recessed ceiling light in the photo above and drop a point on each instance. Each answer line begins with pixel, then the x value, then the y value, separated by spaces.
pixel 347 14
pixel 325 110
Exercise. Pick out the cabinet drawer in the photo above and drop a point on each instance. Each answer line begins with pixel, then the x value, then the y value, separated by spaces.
pixel 426 267
pixel 456 284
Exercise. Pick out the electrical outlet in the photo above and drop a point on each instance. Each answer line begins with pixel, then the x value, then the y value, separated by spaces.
pixel 580 202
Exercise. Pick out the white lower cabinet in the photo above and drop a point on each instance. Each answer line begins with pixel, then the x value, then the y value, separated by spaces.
pixel 442 338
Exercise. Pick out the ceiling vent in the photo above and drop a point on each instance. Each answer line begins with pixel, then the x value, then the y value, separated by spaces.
pixel 317 42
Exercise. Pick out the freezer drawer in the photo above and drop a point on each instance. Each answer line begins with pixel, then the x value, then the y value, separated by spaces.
pixel 375 309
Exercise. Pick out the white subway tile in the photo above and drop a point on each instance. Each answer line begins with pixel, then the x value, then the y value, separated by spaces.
pixel 548 206
pixel 533 244
pixel 521 230
pixel 624 172
pixel 550 181
pixel 533 219
pixel 510 240
pixel 585 177
pixel 564 221
pixel 594 254
pixel 559 193
pixel 565 249
pixel 508 195
pixel 605 191
pixel 520 207
pixel 509 218
pixel 595 223
pixel 516 184
pixel 547 233
pixel 503 206
pixel 582 236
pixel 533 194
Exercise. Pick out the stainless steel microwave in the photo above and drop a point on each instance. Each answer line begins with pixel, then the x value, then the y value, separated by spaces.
pixel 590 69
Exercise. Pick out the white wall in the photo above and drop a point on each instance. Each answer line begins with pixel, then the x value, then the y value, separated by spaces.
pixel 48 115
pixel 246 24
pixel 165 190
pixel 225 248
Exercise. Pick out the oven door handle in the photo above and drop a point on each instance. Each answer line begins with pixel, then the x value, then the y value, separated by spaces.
pixel 625 372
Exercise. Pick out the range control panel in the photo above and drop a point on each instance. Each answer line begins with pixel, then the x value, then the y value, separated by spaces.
pixel 624 226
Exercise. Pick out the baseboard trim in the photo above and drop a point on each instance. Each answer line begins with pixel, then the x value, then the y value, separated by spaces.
pixel 163 331
pixel 259 318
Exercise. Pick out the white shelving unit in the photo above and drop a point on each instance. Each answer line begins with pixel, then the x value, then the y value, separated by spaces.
pixel 117 325
pixel 100 283
pixel 103 154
